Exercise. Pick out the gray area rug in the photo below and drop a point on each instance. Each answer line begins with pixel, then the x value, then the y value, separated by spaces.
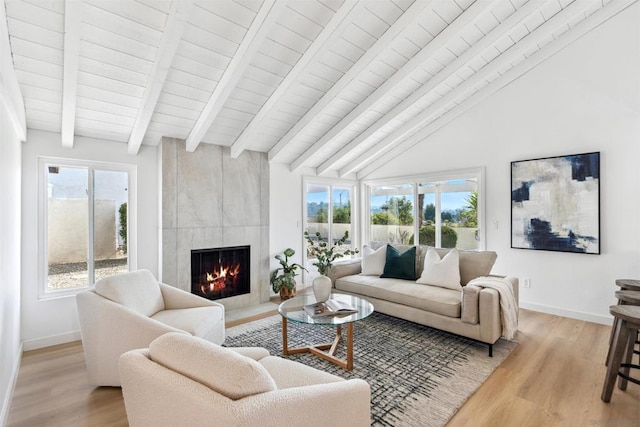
pixel 419 376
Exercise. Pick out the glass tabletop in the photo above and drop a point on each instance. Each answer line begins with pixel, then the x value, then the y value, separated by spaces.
pixel 292 310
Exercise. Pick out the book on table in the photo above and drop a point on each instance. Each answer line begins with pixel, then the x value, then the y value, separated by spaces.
pixel 331 307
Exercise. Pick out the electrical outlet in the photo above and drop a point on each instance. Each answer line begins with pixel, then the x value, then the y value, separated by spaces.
pixel 526 282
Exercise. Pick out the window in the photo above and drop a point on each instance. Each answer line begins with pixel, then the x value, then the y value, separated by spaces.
pixel 449 214
pixel 442 210
pixel 329 211
pixel 392 213
pixel 85 230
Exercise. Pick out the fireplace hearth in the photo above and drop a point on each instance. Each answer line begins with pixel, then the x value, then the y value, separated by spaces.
pixel 220 272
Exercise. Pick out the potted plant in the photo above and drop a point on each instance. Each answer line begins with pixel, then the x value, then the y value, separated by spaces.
pixel 325 255
pixel 283 278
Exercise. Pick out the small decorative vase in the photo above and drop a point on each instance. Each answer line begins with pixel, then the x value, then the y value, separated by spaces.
pixel 322 288
pixel 286 293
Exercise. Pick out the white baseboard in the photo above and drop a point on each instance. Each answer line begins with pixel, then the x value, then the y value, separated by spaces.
pixel 6 404
pixel 64 338
pixel 587 317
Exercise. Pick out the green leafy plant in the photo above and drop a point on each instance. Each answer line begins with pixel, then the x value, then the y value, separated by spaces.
pixel 122 211
pixel 428 236
pixel 284 276
pixel 384 218
pixel 342 214
pixel 469 215
pixel 401 208
pixel 325 254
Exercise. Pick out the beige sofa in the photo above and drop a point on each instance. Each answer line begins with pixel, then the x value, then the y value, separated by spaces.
pixel 474 313
pixel 186 381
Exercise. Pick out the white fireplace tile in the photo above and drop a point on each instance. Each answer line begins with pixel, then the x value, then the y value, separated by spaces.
pixel 264 190
pixel 169 261
pixel 169 203
pixel 238 236
pixel 241 193
pixel 265 264
pixel 199 187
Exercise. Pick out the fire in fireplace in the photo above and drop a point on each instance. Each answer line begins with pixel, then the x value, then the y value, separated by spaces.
pixel 220 272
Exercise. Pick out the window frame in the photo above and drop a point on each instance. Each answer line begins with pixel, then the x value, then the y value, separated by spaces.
pixel 91 166
pixel 451 175
pixel 355 213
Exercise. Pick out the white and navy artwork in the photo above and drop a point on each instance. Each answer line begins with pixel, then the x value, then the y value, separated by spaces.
pixel 555 203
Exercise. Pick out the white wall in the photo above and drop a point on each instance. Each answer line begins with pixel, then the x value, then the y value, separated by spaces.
pixel 47 322
pixel 10 344
pixel 285 213
pixel 585 98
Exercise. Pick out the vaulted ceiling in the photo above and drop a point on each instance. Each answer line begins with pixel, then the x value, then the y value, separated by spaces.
pixel 340 86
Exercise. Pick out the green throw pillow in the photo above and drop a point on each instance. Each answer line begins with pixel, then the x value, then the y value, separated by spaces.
pixel 400 265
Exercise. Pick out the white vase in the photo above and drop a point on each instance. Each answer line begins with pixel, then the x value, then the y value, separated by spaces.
pixel 322 288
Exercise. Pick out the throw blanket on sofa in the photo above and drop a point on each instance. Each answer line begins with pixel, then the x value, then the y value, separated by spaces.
pixel 508 305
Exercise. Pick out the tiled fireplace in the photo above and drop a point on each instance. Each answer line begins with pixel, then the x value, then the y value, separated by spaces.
pixel 210 200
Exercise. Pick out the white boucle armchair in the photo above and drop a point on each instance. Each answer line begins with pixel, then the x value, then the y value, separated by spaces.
pixel 127 311
pixel 183 380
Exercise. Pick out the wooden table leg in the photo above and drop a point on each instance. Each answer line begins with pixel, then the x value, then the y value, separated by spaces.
pixel 349 346
pixel 325 351
pixel 336 341
pixel 285 345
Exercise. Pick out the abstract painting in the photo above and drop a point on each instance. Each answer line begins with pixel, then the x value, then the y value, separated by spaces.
pixel 555 203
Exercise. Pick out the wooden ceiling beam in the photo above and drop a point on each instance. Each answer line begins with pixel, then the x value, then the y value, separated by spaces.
pixel 499 31
pixel 475 11
pixel 336 26
pixel 564 40
pixel 408 17
pixel 174 28
pixel 72 21
pixel 243 56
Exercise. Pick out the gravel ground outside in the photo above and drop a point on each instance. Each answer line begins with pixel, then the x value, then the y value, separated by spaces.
pixel 64 276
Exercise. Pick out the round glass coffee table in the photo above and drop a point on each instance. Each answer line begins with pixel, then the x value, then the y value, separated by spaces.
pixel 292 310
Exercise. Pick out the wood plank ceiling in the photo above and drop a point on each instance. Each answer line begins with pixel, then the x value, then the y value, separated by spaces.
pixel 339 86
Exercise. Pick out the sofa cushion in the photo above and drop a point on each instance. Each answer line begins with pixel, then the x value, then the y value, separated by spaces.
pixel 198 321
pixel 420 251
pixel 475 264
pixel 425 297
pixel 472 263
pixel 289 373
pixel 400 265
pixel 443 272
pixel 136 290
pixel 373 261
pixel 219 368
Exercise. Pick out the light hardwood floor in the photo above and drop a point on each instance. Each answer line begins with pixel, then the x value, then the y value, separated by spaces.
pixel 553 378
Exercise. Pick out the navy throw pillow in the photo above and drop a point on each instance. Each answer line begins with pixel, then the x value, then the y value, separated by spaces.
pixel 400 265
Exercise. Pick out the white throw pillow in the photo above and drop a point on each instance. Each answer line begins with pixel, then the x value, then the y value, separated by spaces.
pixel 444 273
pixel 373 261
